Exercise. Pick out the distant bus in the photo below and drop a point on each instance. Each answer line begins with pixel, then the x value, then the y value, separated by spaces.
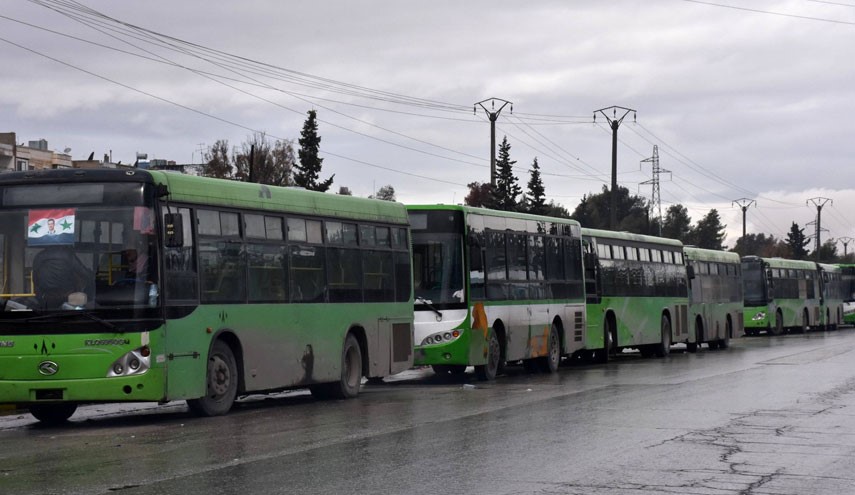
pixel 637 293
pixel 847 274
pixel 493 287
pixel 780 294
pixel 715 297
pixel 834 292
pixel 247 288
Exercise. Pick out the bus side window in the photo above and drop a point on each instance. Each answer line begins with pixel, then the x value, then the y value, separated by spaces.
pixel 476 266
pixel 181 282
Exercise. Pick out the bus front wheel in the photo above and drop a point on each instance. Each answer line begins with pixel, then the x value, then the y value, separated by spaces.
pixel 487 372
pixel 550 362
pixel 664 346
pixel 53 414
pixel 724 342
pixel 778 329
pixel 222 383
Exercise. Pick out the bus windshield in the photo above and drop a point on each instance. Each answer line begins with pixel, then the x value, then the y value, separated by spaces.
pixel 754 284
pixel 438 268
pixel 76 246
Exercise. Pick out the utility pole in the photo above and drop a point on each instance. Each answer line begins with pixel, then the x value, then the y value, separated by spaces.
pixel 819 203
pixel 744 203
pixel 201 153
pixel 657 200
pixel 845 241
pixel 493 114
pixel 614 123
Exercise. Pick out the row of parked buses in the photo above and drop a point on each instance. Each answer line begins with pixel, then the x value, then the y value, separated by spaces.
pixel 151 286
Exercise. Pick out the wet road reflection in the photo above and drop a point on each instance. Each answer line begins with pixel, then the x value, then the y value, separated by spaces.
pixel 769 415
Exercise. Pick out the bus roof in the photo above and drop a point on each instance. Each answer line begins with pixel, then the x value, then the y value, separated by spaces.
pixel 782 263
pixel 701 254
pixel 492 213
pixel 220 192
pixel 628 236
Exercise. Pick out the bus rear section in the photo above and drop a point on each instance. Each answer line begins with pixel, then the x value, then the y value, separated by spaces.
pixel 493 288
pixel 637 296
pixel 715 298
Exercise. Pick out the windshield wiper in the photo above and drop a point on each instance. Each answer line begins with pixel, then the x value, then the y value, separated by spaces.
pixel 430 306
pixel 66 314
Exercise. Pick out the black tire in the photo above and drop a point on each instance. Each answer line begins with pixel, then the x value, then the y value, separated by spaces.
pixel 699 338
pixel 347 387
pixel 550 362
pixel 222 383
pixel 488 372
pixel 603 355
pixel 53 414
pixel 663 348
pixel 778 329
pixel 724 343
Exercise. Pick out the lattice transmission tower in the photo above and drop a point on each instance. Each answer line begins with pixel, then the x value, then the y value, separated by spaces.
pixel 657 200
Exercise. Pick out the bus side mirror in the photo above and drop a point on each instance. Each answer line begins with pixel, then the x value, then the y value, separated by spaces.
pixel 690 272
pixel 173 224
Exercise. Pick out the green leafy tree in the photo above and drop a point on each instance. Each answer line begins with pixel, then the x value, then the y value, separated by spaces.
pixel 271 162
pixel 709 233
pixel 505 194
pixel 218 164
pixel 593 211
pixel 553 209
pixel 386 193
pixel 535 201
pixel 677 224
pixel 755 245
pixel 307 172
pixel 828 252
pixel 797 241
pixel 479 194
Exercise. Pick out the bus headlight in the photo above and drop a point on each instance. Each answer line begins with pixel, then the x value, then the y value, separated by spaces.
pixel 135 362
pixel 441 337
pixel 759 316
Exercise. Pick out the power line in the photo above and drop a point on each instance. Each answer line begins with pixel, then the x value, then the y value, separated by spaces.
pixel 758 11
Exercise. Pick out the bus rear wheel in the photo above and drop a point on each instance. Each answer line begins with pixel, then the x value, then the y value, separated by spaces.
pixel 222 383
pixel 488 372
pixel 347 387
pixel 724 342
pixel 663 348
pixel 53 414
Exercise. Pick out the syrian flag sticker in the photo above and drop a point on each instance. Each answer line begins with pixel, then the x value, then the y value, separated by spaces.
pixel 48 227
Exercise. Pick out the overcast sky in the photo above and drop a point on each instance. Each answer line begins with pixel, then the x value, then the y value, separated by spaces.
pixel 744 99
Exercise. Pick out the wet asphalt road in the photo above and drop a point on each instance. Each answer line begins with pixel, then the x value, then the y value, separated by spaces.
pixel 767 416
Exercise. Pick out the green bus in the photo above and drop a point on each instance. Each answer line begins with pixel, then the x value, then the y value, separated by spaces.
pixel 780 294
pixel 162 286
pixel 637 293
pixel 493 287
pixel 715 297
pixel 835 290
pixel 847 274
